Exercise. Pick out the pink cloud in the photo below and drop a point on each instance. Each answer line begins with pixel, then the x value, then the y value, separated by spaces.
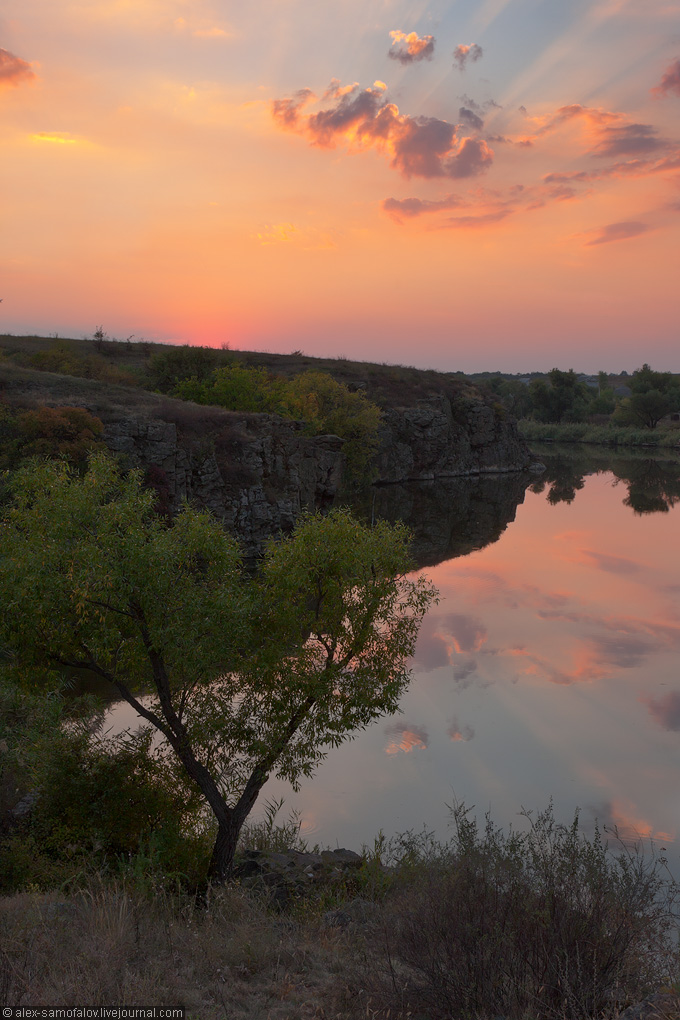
pixel 14 70
pixel 665 710
pixel 418 146
pixel 408 49
pixel 670 82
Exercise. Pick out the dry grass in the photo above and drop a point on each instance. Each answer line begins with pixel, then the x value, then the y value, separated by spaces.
pixel 386 385
pixel 107 946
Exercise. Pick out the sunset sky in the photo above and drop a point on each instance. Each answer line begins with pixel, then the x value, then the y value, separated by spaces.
pixel 465 185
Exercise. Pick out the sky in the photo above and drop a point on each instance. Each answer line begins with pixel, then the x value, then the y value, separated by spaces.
pixel 469 185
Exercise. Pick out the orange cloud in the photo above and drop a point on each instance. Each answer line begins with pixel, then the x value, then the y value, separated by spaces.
pixel 462 54
pixel 405 738
pixel 14 70
pixel 418 146
pixel 460 733
pixel 625 820
pixel 408 49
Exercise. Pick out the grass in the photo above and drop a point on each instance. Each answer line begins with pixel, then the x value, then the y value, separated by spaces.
pixel 610 435
pixel 546 924
pixel 386 385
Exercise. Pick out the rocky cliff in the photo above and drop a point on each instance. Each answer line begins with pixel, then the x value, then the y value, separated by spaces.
pixel 258 472
pixel 441 438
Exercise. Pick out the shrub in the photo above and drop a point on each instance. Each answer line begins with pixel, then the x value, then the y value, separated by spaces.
pixel 546 924
pixel 173 365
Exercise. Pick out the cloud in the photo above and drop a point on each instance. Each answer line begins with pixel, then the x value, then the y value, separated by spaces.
pixel 408 49
pixel 469 117
pixel 665 710
pixel 610 133
pixel 612 564
pixel 628 140
pixel 612 816
pixel 617 232
pixel 628 168
pixel 405 737
pixel 458 732
pixel 476 222
pixel 462 54
pixel 286 112
pixel 211 33
pixel 463 671
pixel 14 70
pixel 670 82
pixel 408 208
pixel 468 632
pixel 418 146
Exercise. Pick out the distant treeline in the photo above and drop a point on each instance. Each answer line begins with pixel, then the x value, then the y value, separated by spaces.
pixel 645 400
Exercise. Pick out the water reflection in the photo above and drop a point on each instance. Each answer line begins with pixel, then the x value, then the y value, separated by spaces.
pixel 653 483
pixel 549 669
pixel 450 517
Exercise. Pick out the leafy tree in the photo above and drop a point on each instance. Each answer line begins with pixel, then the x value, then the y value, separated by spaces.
pixel 170 367
pixel 241 676
pixel 563 398
pixel 237 388
pixel 654 395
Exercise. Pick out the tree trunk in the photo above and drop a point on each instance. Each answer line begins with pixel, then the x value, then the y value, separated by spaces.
pixel 222 859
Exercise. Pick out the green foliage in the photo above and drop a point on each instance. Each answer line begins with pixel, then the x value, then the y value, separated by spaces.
pixel 562 398
pixel 332 408
pixel 173 365
pixel 655 394
pixel 325 405
pixel 237 388
pixel 243 676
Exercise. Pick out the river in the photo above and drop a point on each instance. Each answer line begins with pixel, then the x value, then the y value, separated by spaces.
pixel 549 670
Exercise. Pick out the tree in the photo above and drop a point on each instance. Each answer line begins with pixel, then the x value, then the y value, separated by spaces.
pixel 655 394
pixel 241 676
pixel 565 399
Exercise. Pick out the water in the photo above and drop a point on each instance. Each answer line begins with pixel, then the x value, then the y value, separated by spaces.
pixel 548 670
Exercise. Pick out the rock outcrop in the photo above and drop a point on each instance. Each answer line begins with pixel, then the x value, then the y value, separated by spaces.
pixel 440 438
pixel 256 473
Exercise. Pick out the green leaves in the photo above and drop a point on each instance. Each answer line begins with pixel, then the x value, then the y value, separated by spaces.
pixel 242 675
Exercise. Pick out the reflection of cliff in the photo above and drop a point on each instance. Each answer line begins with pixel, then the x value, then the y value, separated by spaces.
pixel 452 516
pixel 653 483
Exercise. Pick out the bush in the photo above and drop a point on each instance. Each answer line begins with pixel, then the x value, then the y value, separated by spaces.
pixel 70 432
pixel 546 924
pixel 173 365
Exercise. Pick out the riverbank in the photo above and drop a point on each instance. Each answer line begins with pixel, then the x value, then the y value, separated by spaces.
pixel 603 435
pixel 546 924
